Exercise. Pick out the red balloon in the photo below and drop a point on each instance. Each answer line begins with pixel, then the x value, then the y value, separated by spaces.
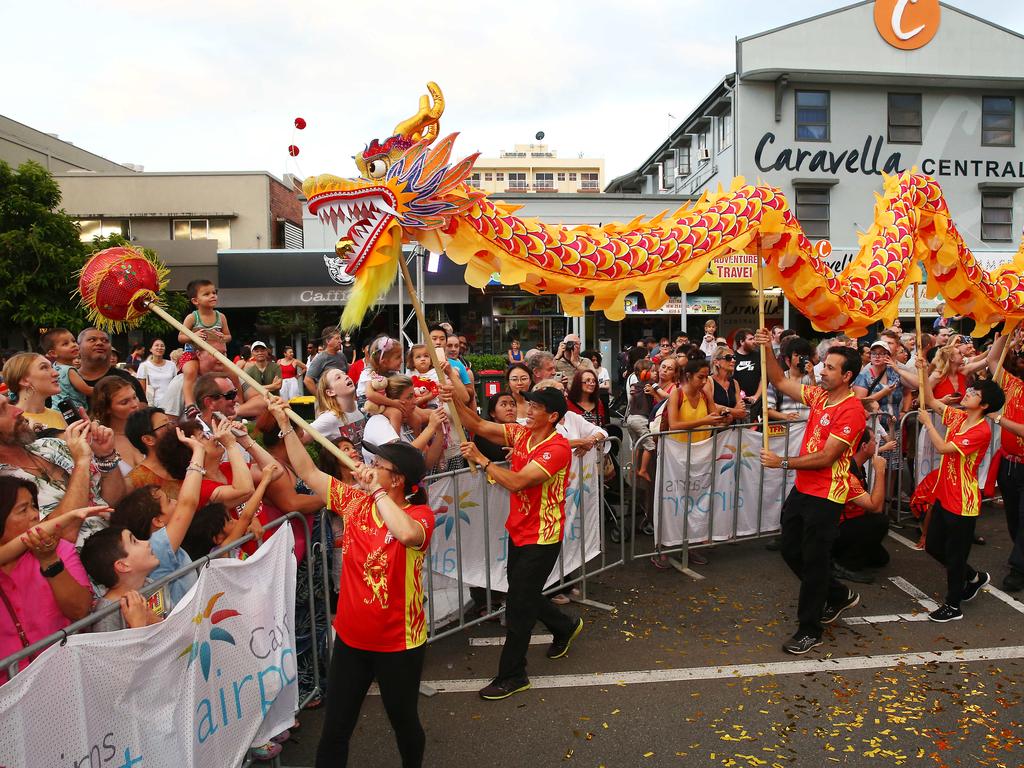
pixel 300 123
pixel 293 150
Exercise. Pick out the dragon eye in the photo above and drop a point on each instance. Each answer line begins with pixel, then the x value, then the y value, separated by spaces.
pixel 376 169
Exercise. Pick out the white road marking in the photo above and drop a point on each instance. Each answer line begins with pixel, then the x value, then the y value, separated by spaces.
pixel 534 640
pixel 1008 599
pixel 926 602
pixel 803 666
pixel 905 541
pixel 852 620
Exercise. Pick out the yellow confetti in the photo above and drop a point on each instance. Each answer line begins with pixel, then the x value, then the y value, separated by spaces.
pixel 648 754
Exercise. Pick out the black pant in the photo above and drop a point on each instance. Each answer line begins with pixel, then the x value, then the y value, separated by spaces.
pixel 860 542
pixel 398 676
pixel 810 526
pixel 949 541
pixel 528 568
pixel 1011 485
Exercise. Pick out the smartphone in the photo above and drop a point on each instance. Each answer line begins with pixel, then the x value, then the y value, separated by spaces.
pixel 69 411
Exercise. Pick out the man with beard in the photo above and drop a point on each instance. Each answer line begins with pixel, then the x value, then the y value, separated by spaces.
pixel 95 352
pixel 81 472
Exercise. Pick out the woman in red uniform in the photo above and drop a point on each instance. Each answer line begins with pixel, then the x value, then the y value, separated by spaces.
pixel 380 622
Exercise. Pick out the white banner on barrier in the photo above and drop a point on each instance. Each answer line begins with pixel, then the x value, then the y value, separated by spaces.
pixel 196 690
pixel 488 549
pixel 709 479
pixel 928 458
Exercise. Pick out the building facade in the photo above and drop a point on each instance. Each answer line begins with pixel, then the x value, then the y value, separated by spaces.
pixel 537 168
pixel 823 107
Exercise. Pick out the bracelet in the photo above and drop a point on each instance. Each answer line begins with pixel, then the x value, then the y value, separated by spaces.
pixel 108 463
pixel 107 456
pixel 286 432
pixel 375 496
pixel 195 468
pixel 485 466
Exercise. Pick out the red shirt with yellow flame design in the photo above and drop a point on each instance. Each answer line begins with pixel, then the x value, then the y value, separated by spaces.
pixel 537 514
pixel 844 421
pixel 1013 388
pixel 380 607
pixel 957 489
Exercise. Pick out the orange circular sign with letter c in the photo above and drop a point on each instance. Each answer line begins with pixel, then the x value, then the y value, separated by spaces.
pixel 907 24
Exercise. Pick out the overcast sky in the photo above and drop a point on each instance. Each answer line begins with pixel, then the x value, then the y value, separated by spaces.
pixel 216 85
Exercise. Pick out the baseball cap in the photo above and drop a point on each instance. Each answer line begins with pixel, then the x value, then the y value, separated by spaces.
pixel 257 344
pixel 552 399
pixel 408 461
pixel 880 345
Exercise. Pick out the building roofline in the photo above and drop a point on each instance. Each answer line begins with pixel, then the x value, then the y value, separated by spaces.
pixel 145 174
pixel 75 147
pixel 845 8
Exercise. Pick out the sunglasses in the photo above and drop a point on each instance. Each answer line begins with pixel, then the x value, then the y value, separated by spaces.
pixel 728 358
pixel 231 394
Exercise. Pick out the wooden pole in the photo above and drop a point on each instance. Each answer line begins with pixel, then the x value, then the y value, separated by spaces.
pixel 761 323
pixel 920 352
pixel 414 299
pixel 295 418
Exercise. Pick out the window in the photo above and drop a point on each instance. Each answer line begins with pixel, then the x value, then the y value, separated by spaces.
pixel 589 182
pixel 905 118
pixel 812 115
pixel 812 204
pixel 997 121
pixel 668 171
pixel 202 229
pixel 684 161
pixel 997 215
pixel 544 181
pixel 725 131
pixel 488 177
pixel 561 176
pixel 499 177
pixel 92 228
pixel 474 180
pixel 572 177
pixel 517 181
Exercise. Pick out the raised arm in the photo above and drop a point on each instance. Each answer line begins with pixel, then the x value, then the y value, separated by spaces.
pixel 241 478
pixel 874 501
pixel 929 399
pixel 776 375
pixel 188 496
pixel 318 482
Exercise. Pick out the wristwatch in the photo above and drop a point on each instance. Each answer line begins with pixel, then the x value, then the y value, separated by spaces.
pixel 53 569
pixel 785 464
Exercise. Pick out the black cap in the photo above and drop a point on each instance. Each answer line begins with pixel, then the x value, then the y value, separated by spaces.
pixel 552 399
pixel 408 461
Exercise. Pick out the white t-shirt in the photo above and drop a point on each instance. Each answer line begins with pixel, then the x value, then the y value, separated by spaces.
pixel 172 399
pixel 575 427
pixel 332 426
pixel 157 377
pixel 604 381
pixel 378 430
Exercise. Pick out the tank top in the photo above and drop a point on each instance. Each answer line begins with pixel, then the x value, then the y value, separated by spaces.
pixel 725 396
pixel 218 322
pixel 690 412
pixel 288 371
pixel 517 357
pixel 946 387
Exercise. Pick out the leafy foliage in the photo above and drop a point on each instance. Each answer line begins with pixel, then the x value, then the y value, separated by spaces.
pixel 40 253
pixel 487 362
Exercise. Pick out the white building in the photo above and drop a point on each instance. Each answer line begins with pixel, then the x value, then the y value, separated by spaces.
pixel 821 107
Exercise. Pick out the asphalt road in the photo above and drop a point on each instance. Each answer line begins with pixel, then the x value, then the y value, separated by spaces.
pixel 690 672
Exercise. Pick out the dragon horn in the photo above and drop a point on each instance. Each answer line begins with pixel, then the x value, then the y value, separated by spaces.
pixel 424 124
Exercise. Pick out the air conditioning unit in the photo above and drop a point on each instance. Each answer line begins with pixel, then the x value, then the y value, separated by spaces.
pixel 704 155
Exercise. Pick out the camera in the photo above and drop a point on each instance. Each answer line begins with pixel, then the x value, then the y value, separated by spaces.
pixel 804 361
pixel 570 346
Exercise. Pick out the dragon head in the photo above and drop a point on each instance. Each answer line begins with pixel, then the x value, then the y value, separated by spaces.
pixel 406 187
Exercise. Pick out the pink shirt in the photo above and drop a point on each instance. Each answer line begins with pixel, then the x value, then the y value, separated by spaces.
pixel 32 600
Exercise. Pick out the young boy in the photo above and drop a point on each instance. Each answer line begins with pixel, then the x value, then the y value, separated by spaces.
pixel 958 498
pixel 61 348
pixel 209 323
pixel 150 515
pixel 115 559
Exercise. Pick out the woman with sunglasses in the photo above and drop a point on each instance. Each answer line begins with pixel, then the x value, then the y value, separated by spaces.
pixel 380 621
pixel 723 389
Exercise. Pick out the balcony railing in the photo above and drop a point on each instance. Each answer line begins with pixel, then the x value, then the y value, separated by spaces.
pixel 515 187
pixel 591 186
pixel 548 186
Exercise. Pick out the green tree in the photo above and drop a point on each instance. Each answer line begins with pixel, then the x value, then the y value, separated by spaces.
pixel 40 253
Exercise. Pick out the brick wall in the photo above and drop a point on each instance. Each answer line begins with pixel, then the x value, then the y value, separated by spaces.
pixel 284 204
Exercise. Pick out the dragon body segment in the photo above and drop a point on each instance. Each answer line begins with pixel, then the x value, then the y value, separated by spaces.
pixel 410 191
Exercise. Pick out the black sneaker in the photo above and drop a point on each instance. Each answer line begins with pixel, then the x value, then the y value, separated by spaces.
pixel 1013 581
pixel 972 588
pixel 843 573
pixel 559 649
pixel 502 689
pixel 774 545
pixel 801 644
pixel 832 612
pixel 945 613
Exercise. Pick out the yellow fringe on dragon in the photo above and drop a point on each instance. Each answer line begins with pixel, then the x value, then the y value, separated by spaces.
pixel 408 191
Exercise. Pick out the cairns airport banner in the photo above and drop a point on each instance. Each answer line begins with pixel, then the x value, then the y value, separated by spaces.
pixel 463 501
pixel 700 484
pixel 194 691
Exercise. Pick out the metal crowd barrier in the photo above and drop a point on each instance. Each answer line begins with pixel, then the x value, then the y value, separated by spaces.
pixel 12 662
pixel 441 627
